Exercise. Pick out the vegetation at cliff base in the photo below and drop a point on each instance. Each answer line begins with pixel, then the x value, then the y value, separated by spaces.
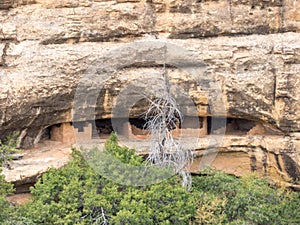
pixel 7 148
pixel 250 200
pixel 77 194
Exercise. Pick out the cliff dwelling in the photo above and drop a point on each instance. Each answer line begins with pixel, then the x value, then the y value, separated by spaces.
pixel 56 53
pixel 135 128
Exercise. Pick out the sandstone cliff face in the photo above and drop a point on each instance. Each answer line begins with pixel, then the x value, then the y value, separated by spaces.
pixel 251 48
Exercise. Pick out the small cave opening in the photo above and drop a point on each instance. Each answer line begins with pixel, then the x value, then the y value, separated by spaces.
pixel 23 188
pixel 215 125
pixel 192 126
pixel 239 126
pixel 104 128
pixel 138 122
pixel 138 126
pixel 45 135
pixel 192 122
pixel 229 125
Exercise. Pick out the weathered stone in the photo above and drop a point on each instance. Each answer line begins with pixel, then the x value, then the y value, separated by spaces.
pixel 66 24
pixel 6 4
pixel 291 13
pixel 256 80
pixel 2 54
pixel 55 22
pixel 36 162
pixel 64 3
pixel 46 47
pixel 19 199
pixel 272 156
pixel 268 156
pixel 63 133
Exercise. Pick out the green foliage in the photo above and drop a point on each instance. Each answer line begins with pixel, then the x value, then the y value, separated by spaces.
pixel 6 208
pixel 210 209
pixel 123 154
pixel 248 200
pixel 123 165
pixel 8 147
pixel 76 194
pixel 163 203
pixel 66 196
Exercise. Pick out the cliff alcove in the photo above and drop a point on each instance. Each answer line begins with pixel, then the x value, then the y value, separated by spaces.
pixel 250 48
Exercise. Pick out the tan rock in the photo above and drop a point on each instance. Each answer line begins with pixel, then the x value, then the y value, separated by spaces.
pixel 259 129
pixel 251 52
pixel 246 68
pixel 269 156
pixel 19 199
pixel 274 157
pixel 36 162
pixel 63 133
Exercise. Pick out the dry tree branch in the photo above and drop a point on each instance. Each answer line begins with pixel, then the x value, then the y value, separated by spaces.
pixel 162 116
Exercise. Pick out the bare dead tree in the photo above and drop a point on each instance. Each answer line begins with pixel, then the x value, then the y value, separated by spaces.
pixel 101 219
pixel 97 217
pixel 162 116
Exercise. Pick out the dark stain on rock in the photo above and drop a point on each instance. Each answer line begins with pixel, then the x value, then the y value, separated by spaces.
pixel 278 163
pixel 265 164
pixel 6 4
pixel 290 167
pixel 253 163
pixel 4 54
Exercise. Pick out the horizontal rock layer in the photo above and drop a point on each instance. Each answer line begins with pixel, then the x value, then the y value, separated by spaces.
pixel 271 156
pixel 56 22
pixel 257 77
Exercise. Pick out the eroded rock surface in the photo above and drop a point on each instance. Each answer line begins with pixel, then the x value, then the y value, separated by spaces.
pixel 250 48
pixel 24 172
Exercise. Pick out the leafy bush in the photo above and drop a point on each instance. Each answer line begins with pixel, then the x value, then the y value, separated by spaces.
pixel 76 194
pixel 7 212
pixel 210 209
pixel 124 166
pixel 6 208
pixel 248 200
pixel 8 147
